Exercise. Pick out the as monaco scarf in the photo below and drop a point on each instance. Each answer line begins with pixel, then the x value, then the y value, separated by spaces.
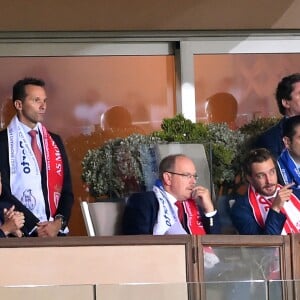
pixel 25 176
pixel 167 214
pixel 261 205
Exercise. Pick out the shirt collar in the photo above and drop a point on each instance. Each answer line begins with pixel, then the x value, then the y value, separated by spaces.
pixel 27 129
pixel 171 198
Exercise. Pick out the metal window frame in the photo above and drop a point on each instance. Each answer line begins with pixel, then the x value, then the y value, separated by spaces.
pixel 183 44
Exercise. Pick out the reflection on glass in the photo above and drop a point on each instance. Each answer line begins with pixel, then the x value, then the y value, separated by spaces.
pixel 236 290
pixel 254 266
pixel 227 114
pixel 245 76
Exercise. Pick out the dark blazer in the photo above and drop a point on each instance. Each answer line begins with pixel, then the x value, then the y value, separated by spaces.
pixel 296 189
pixel 243 219
pixel 272 139
pixel 66 199
pixel 141 211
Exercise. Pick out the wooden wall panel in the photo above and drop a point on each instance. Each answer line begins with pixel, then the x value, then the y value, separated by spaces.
pixel 110 260
pixel 94 15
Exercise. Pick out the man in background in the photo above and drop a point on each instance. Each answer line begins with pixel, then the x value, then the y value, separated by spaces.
pixel 289 160
pixel 288 102
pixel 34 165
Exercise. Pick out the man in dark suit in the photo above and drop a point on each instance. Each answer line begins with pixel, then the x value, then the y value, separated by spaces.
pixel 267 208
pixel 35 171
pixel 175 206
pixel 289 160
pixel 288 102
pixel 11 221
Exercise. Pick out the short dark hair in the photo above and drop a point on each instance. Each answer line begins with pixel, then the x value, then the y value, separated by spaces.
pixel 19 87
pixel 258 155
pixel 289 126
pixel 284 89
pixel 167 164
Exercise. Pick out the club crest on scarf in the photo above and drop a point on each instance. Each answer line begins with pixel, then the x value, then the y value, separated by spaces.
pixel 28 200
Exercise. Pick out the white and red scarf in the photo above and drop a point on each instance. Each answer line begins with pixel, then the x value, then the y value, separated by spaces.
pixel 167 217
pixel 25 176
pixel 168 221
pixel 261 206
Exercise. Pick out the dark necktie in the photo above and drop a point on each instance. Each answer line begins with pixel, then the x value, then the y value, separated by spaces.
pixel 35 148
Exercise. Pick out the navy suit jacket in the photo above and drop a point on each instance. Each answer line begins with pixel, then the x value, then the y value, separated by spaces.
pixel 271 139
pixel 296 189
pixel 141 211
pixel 66 199
pixel 243 219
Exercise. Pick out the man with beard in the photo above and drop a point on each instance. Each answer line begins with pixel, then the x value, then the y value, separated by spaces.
pixel 268 208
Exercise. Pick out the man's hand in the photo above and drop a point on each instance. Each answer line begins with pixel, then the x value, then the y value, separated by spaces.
pixel 49 228
pixel 13 221
pixel 282 196
pixel 202 194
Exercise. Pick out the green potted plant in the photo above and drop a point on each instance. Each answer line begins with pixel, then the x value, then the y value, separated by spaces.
pixel 115 169
pixel 119 166
pixel 221 144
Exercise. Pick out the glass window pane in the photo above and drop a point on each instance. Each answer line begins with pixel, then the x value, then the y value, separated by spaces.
pixel 251 79
pixel 94 98
pixel 253 266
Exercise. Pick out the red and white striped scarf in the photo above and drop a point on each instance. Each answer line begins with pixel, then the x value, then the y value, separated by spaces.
pixel 261 206
pixel 194 222
pixel 167 214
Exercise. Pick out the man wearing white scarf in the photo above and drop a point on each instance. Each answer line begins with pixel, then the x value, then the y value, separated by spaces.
pixel 289 160
pixel 175 206
pixel 156 213
pixel 41 190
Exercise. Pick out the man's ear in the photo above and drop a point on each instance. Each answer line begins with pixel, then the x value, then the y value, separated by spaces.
pixel 167 178
pixel 18 104
pixel 248 179
pixel 287 142
pixel 285 103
